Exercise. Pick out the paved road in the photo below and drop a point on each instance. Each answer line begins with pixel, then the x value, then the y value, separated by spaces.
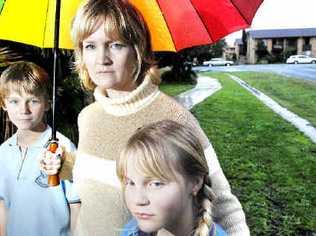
pixel 303 71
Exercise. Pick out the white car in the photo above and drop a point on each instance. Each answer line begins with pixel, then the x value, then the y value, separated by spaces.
pixel 296 59
pixel 218 62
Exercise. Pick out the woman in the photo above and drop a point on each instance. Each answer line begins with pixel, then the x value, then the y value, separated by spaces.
pixel 114 58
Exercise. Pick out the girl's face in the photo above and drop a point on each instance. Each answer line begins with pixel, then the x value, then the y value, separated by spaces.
pixel 110 63
pixel 157 204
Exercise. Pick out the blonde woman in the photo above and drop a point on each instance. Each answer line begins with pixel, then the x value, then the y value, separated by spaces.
pixel 114 60
pixel 166 185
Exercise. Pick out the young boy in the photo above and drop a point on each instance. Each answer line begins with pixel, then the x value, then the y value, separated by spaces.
pixel 28 206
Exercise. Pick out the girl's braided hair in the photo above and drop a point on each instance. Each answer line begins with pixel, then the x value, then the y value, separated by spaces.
pixel 204 220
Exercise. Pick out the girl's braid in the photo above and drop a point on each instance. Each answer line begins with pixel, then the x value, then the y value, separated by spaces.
pixel 204 198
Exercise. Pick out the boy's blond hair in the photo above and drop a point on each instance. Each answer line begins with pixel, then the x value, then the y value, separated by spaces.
pixel 120 20
pixel 160 149
pixel 24 77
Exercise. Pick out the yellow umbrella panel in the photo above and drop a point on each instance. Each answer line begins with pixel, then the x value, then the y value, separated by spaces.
pixel 32 22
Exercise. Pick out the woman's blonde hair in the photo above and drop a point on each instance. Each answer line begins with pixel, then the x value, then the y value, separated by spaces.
pixel 123 22
pixel 24 77
pixel 160 149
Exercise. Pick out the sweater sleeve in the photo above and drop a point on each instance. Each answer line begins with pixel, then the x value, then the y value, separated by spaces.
pixel 68 161
pixel 227 210
pixel 69 157
pixel 226 207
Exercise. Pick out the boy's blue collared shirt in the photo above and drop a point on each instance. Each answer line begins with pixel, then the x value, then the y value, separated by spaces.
pixel 33 207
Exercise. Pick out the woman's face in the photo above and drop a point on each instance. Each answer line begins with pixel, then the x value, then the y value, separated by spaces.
pixel 157 204
pixel 110 63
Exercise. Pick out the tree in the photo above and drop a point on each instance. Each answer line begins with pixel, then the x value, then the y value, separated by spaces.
pixel 181 62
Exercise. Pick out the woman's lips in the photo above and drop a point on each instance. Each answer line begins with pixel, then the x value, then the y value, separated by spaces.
pixel 105 72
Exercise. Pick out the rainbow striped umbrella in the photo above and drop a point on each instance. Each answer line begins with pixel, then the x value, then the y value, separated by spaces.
pixel 174 24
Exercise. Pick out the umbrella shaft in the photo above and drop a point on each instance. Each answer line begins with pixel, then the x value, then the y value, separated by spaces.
pixel 55 66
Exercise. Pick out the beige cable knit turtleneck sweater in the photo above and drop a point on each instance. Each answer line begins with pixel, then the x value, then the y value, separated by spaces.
pixel 104 128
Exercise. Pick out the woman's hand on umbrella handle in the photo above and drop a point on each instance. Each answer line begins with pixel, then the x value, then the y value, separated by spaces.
pixel 50 163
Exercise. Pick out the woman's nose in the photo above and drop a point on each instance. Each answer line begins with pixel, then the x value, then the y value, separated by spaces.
pixel 103 56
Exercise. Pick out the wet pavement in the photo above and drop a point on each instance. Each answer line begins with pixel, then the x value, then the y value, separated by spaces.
pixel 204 88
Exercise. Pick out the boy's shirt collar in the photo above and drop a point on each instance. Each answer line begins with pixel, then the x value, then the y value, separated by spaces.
pixel 41 142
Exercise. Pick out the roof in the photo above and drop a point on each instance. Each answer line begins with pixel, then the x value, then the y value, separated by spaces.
pixel 282 33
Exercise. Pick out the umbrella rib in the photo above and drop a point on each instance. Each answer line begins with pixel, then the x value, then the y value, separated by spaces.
pixel 2 7
pixel 197 12
pixel 240 12
pixel 45 23
pixel 166 24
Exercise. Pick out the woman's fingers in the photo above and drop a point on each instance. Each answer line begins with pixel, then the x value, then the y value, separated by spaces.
pixel 50 162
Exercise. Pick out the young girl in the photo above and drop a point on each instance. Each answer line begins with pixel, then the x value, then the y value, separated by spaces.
pixel 165 181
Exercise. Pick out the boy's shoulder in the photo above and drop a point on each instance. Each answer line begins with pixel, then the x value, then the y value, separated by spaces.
pixel 10 141
pixel 66 142
pixel 6 151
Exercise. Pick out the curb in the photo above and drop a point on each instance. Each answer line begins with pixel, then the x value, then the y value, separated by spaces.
pixel 300 123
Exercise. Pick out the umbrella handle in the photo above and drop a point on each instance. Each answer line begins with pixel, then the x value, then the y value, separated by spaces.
pixel 53 180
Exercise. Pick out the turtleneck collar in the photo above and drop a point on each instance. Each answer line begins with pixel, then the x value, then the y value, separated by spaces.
pixel 130 102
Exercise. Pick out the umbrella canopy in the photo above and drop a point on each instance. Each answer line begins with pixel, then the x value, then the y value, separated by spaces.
pixel 173 24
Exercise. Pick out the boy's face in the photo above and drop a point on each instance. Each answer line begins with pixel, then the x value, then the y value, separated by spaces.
pixel 26 111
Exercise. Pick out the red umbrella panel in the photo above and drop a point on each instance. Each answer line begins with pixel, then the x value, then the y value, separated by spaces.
pixel 179 24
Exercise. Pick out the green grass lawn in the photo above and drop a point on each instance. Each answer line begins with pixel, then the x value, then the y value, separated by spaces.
pixel 269 163
pixel 298 95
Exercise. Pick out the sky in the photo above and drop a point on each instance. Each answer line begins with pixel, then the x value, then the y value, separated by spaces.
pixel 278 14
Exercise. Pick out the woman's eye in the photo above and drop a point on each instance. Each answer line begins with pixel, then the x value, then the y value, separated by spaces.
pixel 117 45
pixel 89 46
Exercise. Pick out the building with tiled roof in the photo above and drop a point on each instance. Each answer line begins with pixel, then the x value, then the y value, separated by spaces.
pixel 281 42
